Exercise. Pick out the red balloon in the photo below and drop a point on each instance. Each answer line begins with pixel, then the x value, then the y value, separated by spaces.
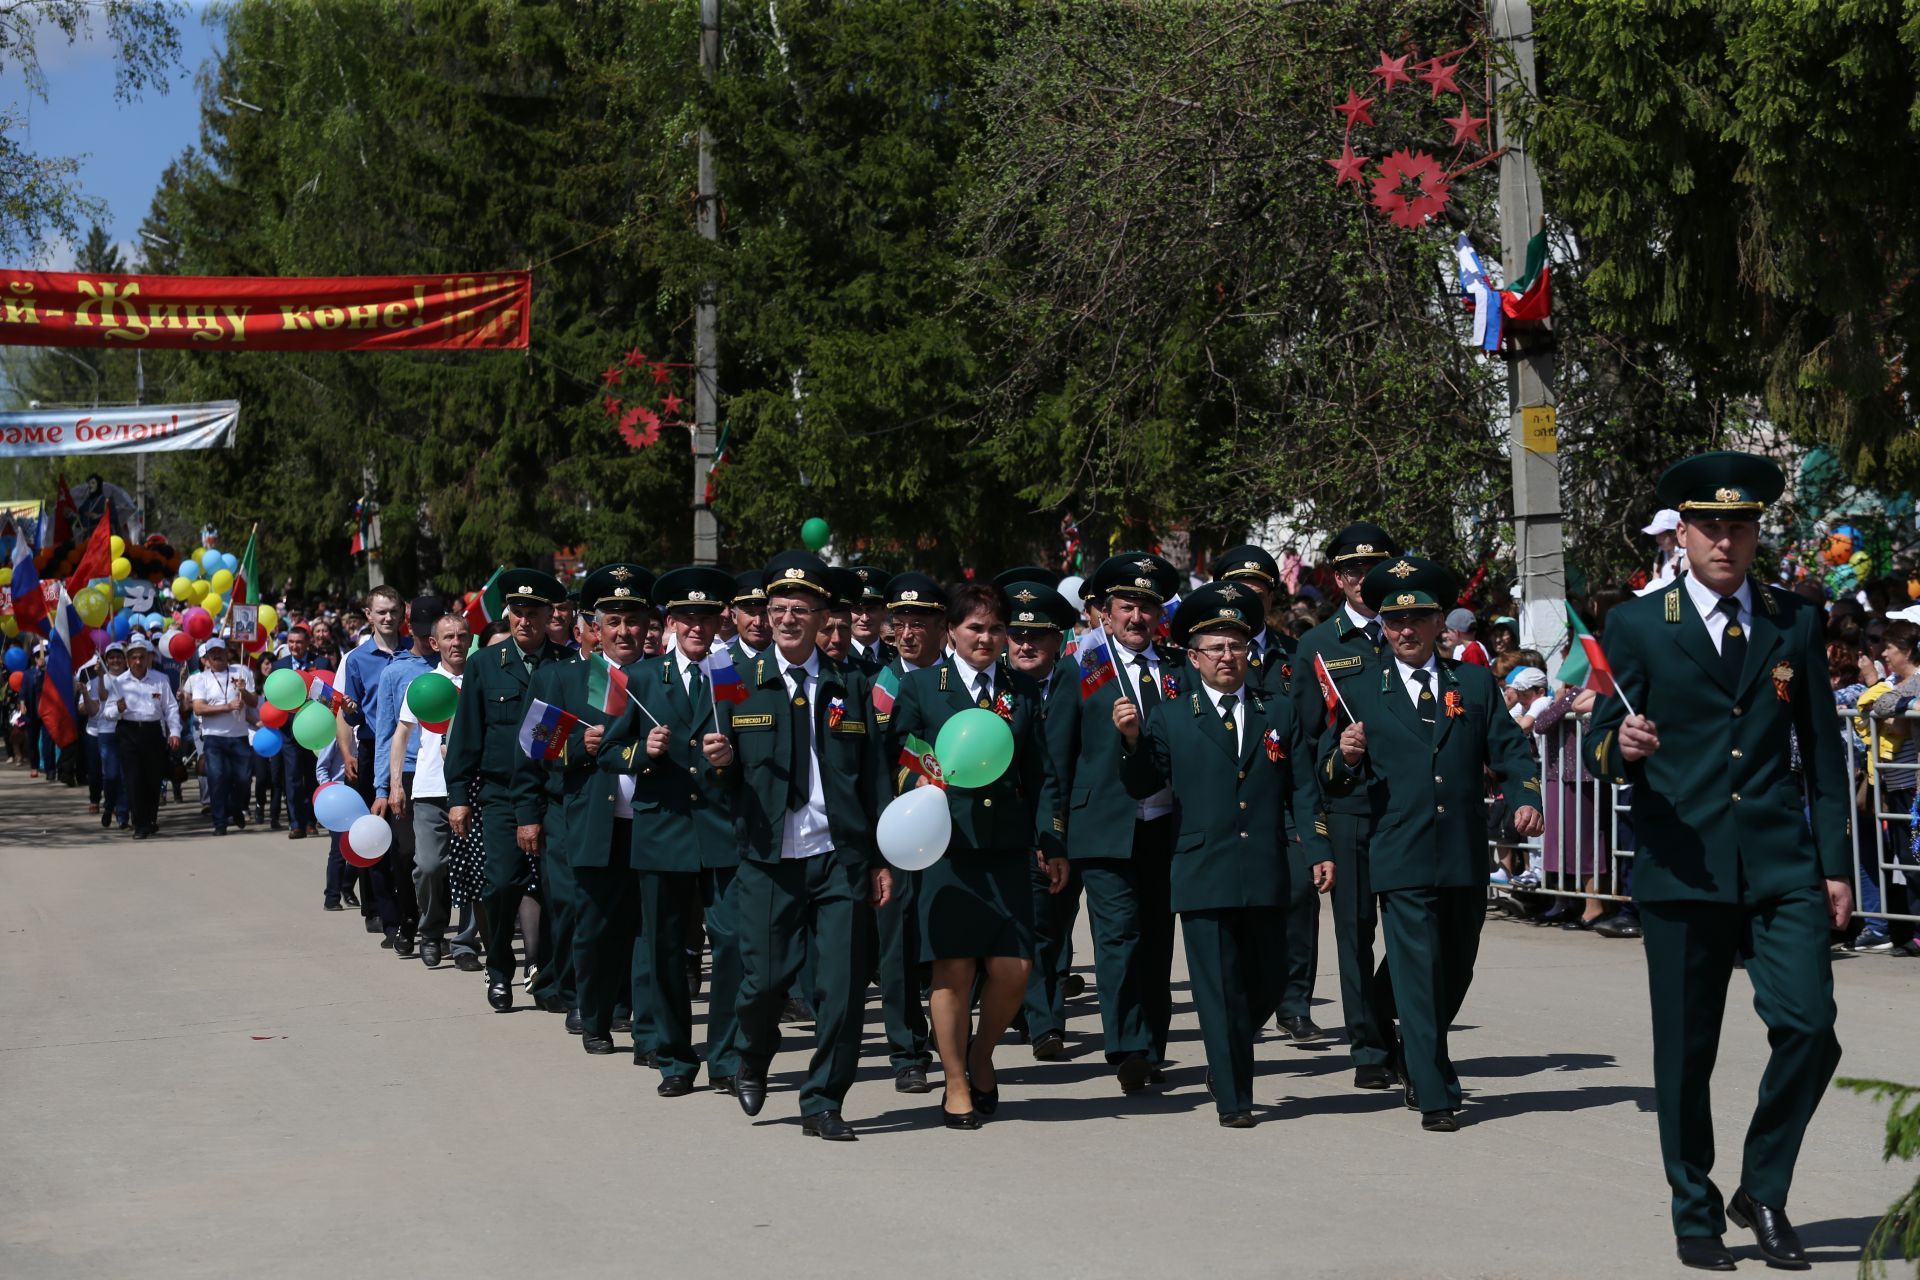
pixel 353 859
pixel 273 717
pixel 258 641
pixel 15 680
pixel 198 623
pixel 180 646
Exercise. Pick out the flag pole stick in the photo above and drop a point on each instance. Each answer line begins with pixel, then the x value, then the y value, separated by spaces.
pixel 1121 675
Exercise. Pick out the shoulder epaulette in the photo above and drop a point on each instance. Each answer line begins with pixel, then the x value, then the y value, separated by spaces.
pixel 1196 703
pixel 759 671
pixel 943 677
pixel 1673 604
pixel 1767 602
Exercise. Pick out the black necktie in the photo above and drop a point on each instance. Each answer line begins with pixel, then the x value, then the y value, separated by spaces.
pixel 1373 633
pixel 1253 654
pixel 983 689
pixel 799 743
pixel 696 686
pixel 1144 681
pixel 1425 677
pixel 1227 703
pixel 1733 641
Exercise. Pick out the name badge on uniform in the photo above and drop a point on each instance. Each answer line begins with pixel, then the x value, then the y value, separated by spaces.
pixel 753 722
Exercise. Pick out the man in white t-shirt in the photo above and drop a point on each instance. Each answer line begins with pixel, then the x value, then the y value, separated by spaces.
pixel 432 835
pixel 220 694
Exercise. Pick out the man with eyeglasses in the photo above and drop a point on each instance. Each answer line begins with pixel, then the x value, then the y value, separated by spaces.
pixel 1036 634
pixel 806 797
pixel 1121 845
pixel 1351 646
pixel 1425 732
pixel 1224 749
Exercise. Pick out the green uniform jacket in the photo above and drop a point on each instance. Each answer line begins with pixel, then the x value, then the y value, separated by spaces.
pixel 484 741
pixel 682 805
pixel 1085 747
pixel 1349 656
pixel 1012 811
pixel 1275 672
pixel 852 775
pixel 1426 787
pixel 1230 805
pixel 1717 809
pixel 580 787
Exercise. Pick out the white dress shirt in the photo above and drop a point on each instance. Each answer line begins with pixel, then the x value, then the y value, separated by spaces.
pixel 149 699
pixel 1412 686
pixel 1239 712
pixel 1707 601
pixel 804 833
pixel 221 687
pixel 1160 803
pixel 1358 620
pixel 971 675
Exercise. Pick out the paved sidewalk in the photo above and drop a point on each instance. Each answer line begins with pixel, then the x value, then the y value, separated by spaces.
pixel 203 1074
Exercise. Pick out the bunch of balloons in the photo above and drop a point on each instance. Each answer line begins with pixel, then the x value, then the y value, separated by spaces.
pixel 974 748
pixel 286 704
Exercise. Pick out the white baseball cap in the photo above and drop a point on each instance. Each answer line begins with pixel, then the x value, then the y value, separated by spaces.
pixel 1909 614
pixel 1665 520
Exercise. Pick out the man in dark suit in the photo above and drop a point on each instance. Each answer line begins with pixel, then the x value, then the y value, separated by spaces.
pixel 482 747
pixel 1122 846
pixel 1425 732
pixel 1224 749
pixel 806 795
pixel 1734 861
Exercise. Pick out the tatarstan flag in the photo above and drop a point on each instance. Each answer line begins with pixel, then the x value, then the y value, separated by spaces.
pixel 1586 665
pixel 606 686
pixel 886 687
pixel 917 756
pixel 489 604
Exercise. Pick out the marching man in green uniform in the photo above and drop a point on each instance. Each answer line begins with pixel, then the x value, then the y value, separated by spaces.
pixel 1350 644
pixel 482 748
pixel 806 795
pixel 1422 735
pixel 595 801
pixel 1723 674
pixel 1121 846
pixel 1224 748
pixel 683 842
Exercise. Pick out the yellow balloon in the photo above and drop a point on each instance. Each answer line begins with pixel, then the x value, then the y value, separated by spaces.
pixel 122 568
pixel 119 545
pixel 9 626
pixel 222 579
pixel 211 603
pixel 198 552
pixel 6 576
pixel 183 588
pixel 198 591
pixel 91 607
pixel 269 617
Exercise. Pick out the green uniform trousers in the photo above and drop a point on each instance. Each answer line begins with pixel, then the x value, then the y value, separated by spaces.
pixel 897 972
pixel 1366 994
pixel 507 880
pixel 1132 928
pixel 1237 964
pixel 1303 935
pixel 1433 938
pixel 606 938
pixel 558 978
pixel 787 909
pixel 670 903
pixel 1690 950
pixel 1053 918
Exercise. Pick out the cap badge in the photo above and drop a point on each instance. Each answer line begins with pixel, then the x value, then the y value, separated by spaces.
pixel 1144 565
pixel 1401 569
pixel 1230 593
pixel 1227 613
pixel 1406 598
pixel 909 595
pixel 623 591
pixel 696 595
pixel 1250 564
pixel 1143 582
pixel 619 573
pixel 795 573
pixel 1363 549
pixel 1024 596
pixel 1726 495
pixel 1025 615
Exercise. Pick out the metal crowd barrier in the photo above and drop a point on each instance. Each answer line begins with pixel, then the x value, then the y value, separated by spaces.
pixel 1587 851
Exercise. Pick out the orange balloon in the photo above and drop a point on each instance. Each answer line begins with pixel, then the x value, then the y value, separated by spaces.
pixel 15 680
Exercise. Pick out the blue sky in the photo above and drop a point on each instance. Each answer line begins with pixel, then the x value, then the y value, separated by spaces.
pixel 122 147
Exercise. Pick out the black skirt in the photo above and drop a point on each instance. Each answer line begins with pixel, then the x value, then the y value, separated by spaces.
pixel 976 902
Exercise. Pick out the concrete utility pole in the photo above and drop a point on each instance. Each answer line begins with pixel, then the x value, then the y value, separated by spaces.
pixel 376 573
pixel 706 353
pixel 1534 436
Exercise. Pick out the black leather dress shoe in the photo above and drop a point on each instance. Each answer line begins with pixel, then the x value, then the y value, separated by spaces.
pixel 1439 1122
pixel 1301 1030
pixel 674 1086
pixel 828 1125
pixel 1778 1241
pixel 500 996
pixel 466 962
pixel 403 946
pixel 1372 1076
pixel 1050 1047
pixel 335 906
pixel 796 1011
pixel 596 1043
pixel 623 1024
pixel 372 922
pixel 721 1084
pixel 1133 1072
pixel 963 1120
pixel 645 1058
pixel 1617 925
pixel 1237 1120
pixel 750 1089
pixel 1703 1252
pixel 911 1080
pixel 575 1025
pixel 430 952
pixel 348 897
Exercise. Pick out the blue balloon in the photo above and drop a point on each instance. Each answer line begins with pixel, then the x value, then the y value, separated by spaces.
pixel 337 807
pixel 122 625
pixel 190 570
pixel 155 621
pixel 16 658
pixel 230 561
pixel 266 741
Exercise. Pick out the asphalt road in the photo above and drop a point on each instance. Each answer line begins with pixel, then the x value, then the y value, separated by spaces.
pixel 203 1074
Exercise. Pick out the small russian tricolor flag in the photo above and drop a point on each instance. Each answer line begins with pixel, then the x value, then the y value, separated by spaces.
pixel 544 730
pixel 321 689
pixel 1096 665
pixel 723 675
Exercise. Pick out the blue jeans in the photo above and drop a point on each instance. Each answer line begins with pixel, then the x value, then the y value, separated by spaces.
pixel 228 772
pixel 113 778
pixel 296 763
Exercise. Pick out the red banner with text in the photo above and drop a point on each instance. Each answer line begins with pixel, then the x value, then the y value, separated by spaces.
pixel 266 313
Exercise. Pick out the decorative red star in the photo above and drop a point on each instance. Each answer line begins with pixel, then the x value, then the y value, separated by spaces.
pixel 611 406
pixel 1355 109
pixel 1391 71
pixel 1439 76
pixel 1347 168
pixel 1467 127
pixel 647 419
pixel 671 403
pixel 636 358
pixel 612 376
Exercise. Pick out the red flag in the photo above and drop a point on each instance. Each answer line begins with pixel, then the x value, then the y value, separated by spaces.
pixel 97 560
pixel 1328 692
pixel 65 512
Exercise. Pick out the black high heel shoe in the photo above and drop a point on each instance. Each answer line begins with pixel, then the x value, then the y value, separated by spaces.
pixel 985 1101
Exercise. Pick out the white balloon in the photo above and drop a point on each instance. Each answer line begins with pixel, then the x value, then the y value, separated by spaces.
pixel 1069 590
pixel 914 830
pixel 370 835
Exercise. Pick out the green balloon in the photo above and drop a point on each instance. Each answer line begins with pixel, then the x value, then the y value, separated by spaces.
pixel 815 534
pixel 974 748
pixel 286 690
pixel 432 698
pixel 313 727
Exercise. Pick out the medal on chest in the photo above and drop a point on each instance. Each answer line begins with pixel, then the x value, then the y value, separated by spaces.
pixel 836 712
pixel 1783 681
pixel 1276 752
pixel 1169 685
pixel 1003 706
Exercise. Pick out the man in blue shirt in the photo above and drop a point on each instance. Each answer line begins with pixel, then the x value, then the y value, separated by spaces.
pixel 295 759
pixel 360 673
pixel 390 695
